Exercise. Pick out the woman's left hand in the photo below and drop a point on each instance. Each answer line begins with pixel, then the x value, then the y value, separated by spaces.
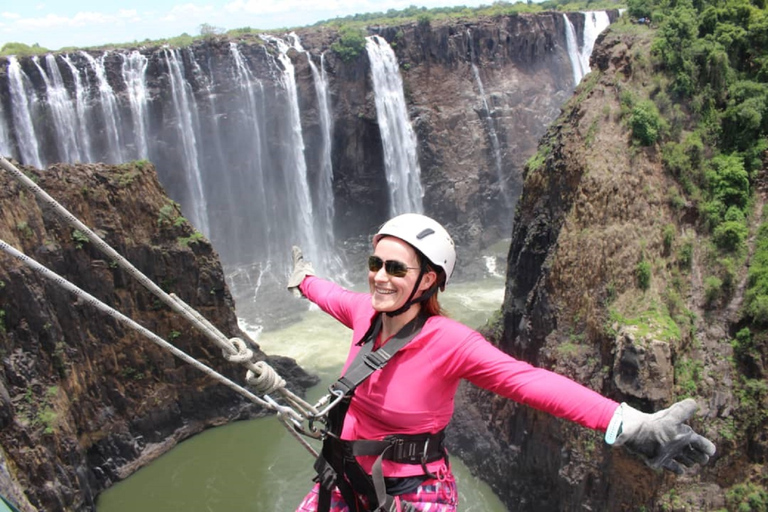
pixel 663 439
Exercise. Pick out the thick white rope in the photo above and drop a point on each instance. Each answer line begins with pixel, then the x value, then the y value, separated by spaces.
pixel 284 413
pixel 271 381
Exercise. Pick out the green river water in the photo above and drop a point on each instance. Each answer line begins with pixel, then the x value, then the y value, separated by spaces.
pixel 256 465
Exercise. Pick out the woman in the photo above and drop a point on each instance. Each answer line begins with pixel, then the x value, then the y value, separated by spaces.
pixel 384 449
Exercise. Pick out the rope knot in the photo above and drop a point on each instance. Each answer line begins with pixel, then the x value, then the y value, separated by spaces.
pixel 268 381
pixel 243 354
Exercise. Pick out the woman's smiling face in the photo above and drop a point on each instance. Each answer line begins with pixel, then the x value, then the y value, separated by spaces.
pixel 388 293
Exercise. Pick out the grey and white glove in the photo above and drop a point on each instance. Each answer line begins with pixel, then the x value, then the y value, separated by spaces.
pixel 301 269
pixel 661 439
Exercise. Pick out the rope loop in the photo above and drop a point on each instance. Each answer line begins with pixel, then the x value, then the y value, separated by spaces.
pixel 243 354
pixel 268 381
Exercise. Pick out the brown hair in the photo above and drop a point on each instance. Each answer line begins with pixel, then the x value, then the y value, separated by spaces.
pixel 432 307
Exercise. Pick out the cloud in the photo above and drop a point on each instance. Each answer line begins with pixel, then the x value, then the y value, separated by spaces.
pixel 261 7
pixel 189 11
pixel 10 15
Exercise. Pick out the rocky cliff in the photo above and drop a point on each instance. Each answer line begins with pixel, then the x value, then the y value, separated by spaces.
pixel 84 401
pixel 594 206
pixel 214 119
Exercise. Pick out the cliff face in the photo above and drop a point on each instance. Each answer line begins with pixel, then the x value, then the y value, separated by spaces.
pixel 84 401
pixel 214 119
pixel 592 208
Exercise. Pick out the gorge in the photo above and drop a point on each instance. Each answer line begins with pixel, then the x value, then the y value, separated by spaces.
pixel 270 141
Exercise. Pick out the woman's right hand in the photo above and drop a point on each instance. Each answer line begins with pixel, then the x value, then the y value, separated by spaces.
pixel 301 269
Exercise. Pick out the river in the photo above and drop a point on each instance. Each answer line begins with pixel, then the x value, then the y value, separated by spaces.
pixel 256 465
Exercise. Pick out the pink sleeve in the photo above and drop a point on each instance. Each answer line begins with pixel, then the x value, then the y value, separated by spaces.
pixel 488 367
pixel 340 303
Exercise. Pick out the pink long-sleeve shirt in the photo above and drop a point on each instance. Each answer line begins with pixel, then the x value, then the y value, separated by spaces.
pixel 414 392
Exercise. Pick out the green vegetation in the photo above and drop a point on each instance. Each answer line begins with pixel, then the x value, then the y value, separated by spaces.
pixel 79 238
pixel 23 50
pixel 351 42
pixel 24 230
pixel 194 238
pixel 170 215
pixel 2 321
pixel 646 123
pixel 651 318
pixel 643 274
pixel 756 296
pixel 747 497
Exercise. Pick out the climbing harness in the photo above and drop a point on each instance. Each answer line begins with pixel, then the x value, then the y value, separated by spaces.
pixel 337 465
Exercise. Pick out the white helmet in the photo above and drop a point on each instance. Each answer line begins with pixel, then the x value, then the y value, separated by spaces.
pixel 427 236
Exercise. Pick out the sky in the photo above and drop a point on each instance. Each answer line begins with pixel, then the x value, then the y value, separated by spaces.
pixel 82 23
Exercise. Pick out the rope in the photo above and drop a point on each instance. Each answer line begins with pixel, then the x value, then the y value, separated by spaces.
pixel 284 413
pixel 260 374
pixel 175 304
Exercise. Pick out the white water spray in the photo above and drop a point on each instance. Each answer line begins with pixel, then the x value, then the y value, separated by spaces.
pixel 109 109
pixel 397 136
pixel 22 98
pixel 495 146
pixel 134 75
pixel 325 198
pixel 573 51
pixel 81 108
pixel 62 110
pixel 296 166
pixel 594 23
pixel 186 117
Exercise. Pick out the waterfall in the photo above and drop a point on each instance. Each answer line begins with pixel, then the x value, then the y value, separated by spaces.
pixel 81 108
pixel 22 101
pixel 134 72
pixel 326 198
pixel 573 51
pixel 250 118
pixel 398 139
pixel 185 110
pixel 324 195
pixel 295 165
pixel 110 112
pixel 594 23
pixel 495 146
pixel 62 110
pixel 6 147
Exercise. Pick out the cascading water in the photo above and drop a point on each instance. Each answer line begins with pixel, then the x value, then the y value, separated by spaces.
pixel 134 74
pixel 495 146
pixel 251 173
pixel 185 109
pixel 325 200
pixel 573 51
pixel 6 148
pixel 594 23
pixel 22 101
pixel 110 112
pixel 80 98
pixel 397 136
pixel 295 165
pixel 62 110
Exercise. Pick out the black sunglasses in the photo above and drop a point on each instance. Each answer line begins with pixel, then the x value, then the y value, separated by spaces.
pixel 392 267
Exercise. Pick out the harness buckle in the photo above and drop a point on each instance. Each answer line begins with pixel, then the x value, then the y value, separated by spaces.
pixel 376 360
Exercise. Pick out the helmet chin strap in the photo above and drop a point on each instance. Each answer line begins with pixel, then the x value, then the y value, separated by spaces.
pixel 411 301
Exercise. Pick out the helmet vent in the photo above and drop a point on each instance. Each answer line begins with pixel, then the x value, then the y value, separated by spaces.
pixel 425 233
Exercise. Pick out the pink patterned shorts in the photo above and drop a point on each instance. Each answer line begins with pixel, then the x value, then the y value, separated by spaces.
pixel 432 495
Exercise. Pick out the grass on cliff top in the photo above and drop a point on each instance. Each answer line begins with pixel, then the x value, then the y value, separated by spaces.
pixel 391 17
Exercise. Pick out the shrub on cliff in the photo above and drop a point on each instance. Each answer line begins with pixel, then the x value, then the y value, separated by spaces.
pixel 350 44
pixel 646 123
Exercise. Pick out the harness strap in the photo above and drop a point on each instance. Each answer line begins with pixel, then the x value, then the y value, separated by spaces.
pixel 345 472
